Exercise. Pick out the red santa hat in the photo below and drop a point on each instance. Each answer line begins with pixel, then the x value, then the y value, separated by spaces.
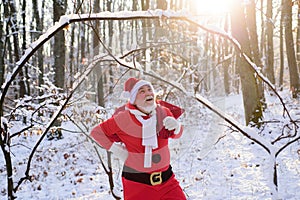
pixel 131 88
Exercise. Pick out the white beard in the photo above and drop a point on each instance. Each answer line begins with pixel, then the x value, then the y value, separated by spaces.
pixel 148 109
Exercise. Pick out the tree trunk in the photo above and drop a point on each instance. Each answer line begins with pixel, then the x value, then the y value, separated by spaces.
pixel 24 26
pixel 59 58
pixel 253 36
pixel 11 12
pixel 27 80
pixel 9 170
pixel 298 38
pixel 251 98
pixel 110 34
pixel 72 61
pixel 82 44
pixel 227 62
pixel 145 25
pixel 281 50
pixel 290 50
pixel 251 23
pixel 2 68
pixel 162 4
pixel 39 21
pixel 96 43
pixel 262 34
pixel 270 49
pixel 59 45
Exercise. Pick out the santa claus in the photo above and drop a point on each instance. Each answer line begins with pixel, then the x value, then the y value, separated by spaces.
pixel 138 134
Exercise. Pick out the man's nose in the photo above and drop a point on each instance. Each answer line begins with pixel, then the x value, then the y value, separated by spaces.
pixel 148 92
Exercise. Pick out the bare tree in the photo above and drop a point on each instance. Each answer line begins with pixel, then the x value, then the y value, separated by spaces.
pixel 59 45
pixel 24 43
pixel 298 35
pixel 39 24
pixel 290 48
pixel 251 96
pixel 96 48
pixel 281 49
pixel 226 63
pixel 262 28
pixel 269 46
pixel 5 135
pixel 10 13
pixel 2 50
pixel 59 9
pixel 4 143
pixel 256 54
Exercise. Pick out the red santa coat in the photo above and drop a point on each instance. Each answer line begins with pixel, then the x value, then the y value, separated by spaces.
pixel 126 128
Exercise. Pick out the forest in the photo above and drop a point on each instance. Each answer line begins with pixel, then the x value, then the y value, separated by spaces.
pixel 64 62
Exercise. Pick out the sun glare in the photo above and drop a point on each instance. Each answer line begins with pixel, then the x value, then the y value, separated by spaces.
pixel 212 7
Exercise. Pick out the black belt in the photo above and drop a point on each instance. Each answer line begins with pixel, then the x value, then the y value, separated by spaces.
pixel 154 178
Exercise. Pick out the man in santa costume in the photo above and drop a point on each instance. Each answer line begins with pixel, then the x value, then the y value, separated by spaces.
pixel 138 134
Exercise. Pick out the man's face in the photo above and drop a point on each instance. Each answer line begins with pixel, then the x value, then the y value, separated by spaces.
pixel 144 98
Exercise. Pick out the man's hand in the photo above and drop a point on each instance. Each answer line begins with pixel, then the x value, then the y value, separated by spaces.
pixel 119 151
pixel 171 123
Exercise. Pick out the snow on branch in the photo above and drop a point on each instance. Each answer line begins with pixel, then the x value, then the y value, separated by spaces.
pixel 65 20
pixel 55 115
pixel 254 67
pixel 129 15
pixel 125 15
pixel 249 133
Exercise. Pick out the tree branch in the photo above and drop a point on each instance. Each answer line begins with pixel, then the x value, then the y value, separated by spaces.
pixel 76 84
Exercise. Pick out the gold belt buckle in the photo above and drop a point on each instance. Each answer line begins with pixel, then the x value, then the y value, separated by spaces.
pixel 155 178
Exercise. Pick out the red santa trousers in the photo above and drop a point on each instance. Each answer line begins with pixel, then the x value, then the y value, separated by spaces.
pixel 169 190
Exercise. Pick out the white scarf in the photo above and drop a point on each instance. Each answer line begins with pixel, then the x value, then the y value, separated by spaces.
pixel 149 140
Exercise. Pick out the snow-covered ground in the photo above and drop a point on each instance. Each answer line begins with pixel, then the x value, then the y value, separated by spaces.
pixel 209 162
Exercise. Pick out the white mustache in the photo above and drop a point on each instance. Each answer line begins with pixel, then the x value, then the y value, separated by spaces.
pixel 149 98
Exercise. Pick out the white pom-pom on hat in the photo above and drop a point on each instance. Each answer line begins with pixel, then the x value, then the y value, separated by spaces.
pixel 125 95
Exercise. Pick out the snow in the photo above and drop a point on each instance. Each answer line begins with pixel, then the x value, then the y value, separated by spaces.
pixel 209 161
pixel 64 20
pixel 124 14
pixel 4 122
pixel 217 29
pixel 6 148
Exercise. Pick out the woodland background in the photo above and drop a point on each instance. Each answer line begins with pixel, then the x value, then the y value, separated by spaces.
pixel 251 49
